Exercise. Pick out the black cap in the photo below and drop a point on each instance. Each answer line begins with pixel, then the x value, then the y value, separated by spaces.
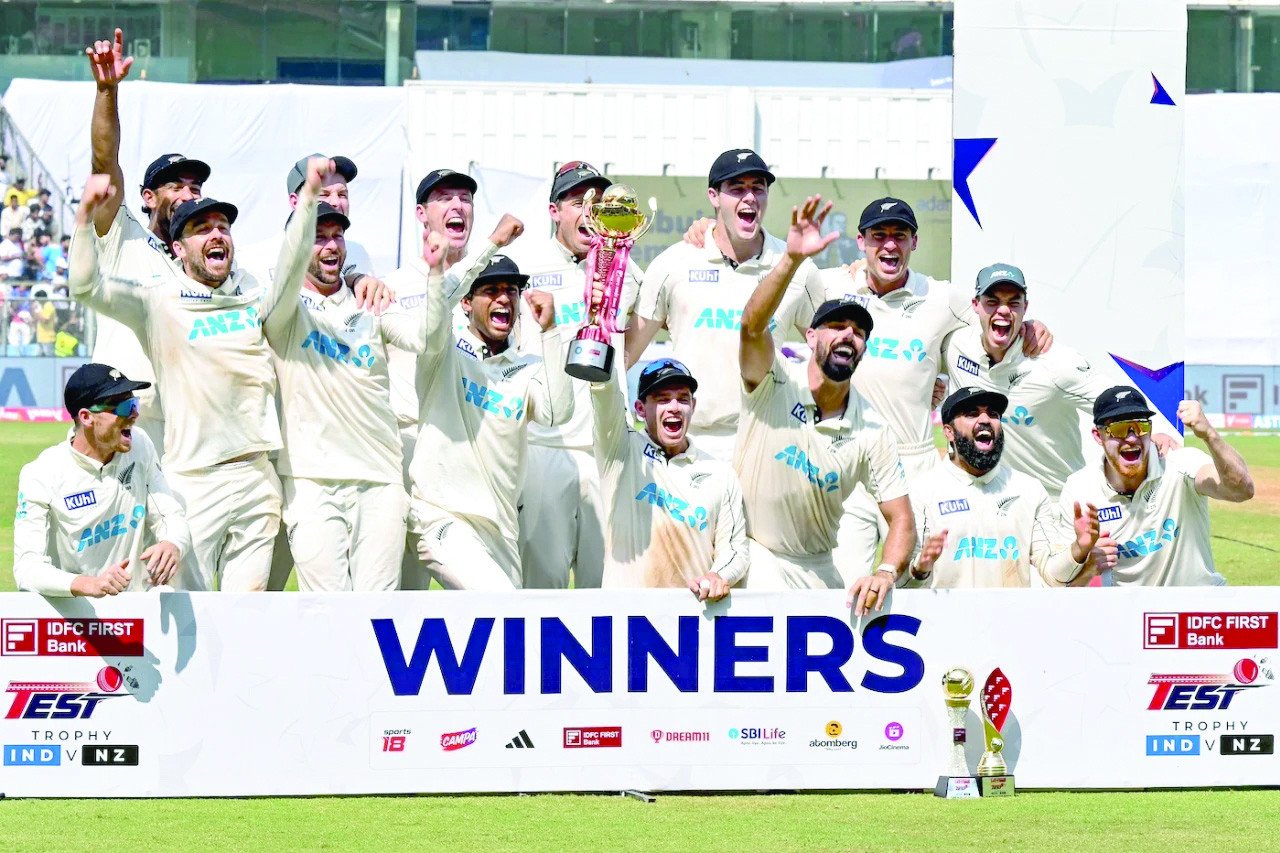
pixel 973 396
pixel 298 174
pixel 500 268
pixel 844 308
pixel 183 213
pixel 887 209
pixel 1120 402
pixel 324 211
pixel 661 373
pixel 736 162
pixel 92 383
pixel 575 174
pixel 443 178
pixel 168 166
pixel 989 277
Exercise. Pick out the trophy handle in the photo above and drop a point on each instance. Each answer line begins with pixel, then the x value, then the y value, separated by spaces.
pixel 588 212
pixel 649 220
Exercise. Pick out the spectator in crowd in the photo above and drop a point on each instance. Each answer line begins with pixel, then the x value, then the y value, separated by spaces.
pixel 4 174
pixel 60 266
pixel 19 190
pixel 13 216
pixel 32 224
pixel 20 333
pixel 11 255
pixel 31 259
pixel 50 255
pixel 46 318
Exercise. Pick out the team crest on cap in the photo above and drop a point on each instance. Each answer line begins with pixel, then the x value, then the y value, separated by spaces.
pixel 114 374
pixel 497 259
pixel 174 158
pixel 1122 395
pixel 1001 273
pixel 742 155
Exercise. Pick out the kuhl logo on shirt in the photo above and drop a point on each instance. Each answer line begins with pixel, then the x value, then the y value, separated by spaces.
pixel 798 412
pixel 463 346
pixel 1110 513
pixel 703 276
pixel 653 453
pixel 546 279
pixel 195 295
pixel 948 507
pixel 80 500
pixel 968 365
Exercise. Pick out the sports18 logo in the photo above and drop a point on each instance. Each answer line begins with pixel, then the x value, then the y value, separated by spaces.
pixel 1204 692
pixel 58 700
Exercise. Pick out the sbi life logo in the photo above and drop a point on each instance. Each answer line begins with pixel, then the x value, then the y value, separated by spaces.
pixel 894 349
pixel 1020 416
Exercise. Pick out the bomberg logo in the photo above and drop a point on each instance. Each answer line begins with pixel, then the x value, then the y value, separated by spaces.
pixel 1110 513
pixel 452 741
pixel 57 700
pixel 703 276
pixel 80 500
pixel 968 365
pixel 1205 692
pixel 832 740
pixel 948 507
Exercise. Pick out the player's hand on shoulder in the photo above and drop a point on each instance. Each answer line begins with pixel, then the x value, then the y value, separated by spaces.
pixel 1036 338
pixel 1165 443
pixel 696 235
pixel 373 294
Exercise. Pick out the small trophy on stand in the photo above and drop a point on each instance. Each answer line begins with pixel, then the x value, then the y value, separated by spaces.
pixel 993 773
pixel 956 783
pixel 615 223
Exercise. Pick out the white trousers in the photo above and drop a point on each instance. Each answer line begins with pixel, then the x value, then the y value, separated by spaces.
pixel 234 513
pixel 462 553
pixel 773 571
pixel 345 536
pixel 560 519
pixel 413 571
pixel 863 528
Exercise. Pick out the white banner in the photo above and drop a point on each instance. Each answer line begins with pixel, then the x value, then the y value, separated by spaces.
pixel 219 695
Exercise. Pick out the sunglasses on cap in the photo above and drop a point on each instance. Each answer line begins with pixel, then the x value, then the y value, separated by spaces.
pixel 126 408
pixel 663 364
pixel 1121 429
pixel 571 165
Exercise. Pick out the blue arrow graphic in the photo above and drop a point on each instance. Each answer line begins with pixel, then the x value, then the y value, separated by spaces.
pixel 1164 387
pixel 966 156
pixel 1159 95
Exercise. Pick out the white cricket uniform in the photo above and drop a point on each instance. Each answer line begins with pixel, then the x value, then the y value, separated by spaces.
pixel 561 518
pixel 1003 530
pixel 1162 530
pixel 140 255
pixel 344 499
pixel 217 384
pixel 668 521
pixel 896 376
pixel 468 461
pixel 409 283
pixel 699 296
pixel 796 473
pixel 77 516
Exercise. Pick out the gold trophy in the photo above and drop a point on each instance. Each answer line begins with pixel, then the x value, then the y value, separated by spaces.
pixel 993 774
pixel 956 783
pixel 615 223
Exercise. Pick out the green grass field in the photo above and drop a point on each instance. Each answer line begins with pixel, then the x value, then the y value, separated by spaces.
pixel 1247 550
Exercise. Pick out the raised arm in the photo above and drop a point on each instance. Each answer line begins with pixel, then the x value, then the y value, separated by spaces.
pixel 109 66
pixel 1228 478
pixel 805 239
pixel 117 299
pixel 299 237
pixel 551 394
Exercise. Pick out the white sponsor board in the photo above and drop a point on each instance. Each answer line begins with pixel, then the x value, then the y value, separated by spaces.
pixel 221 695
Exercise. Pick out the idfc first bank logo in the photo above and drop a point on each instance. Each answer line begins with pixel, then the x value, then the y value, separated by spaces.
pixel 71 637
pixel 889 665
pixel 1207 691
pixel 58 700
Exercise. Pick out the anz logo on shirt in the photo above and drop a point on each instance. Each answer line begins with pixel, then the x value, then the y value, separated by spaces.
pixel 893 349
pixel 1149 541
pixel 985 548
pixel 570 313
pixel 726 319
pixel 114 526
pixel 334 349
pixel 695 517
pixel 1020 416
pixel 224 322
pixel 492 402
pixel 795 458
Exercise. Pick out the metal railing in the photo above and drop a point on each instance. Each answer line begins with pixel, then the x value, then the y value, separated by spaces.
pixel 25 163
pixel 35 322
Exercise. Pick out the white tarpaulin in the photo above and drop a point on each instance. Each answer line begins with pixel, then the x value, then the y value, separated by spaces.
pixel 250 135
pixel 260 694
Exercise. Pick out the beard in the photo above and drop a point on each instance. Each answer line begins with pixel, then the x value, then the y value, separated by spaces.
pixel 979 460
pixel 839 372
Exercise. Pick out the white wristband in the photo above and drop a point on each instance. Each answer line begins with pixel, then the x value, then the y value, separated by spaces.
pixel 888 567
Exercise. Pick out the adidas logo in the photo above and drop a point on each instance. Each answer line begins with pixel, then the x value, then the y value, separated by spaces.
pixel 521 741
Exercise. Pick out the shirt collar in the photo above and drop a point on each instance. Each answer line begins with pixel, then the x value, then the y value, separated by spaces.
pixel 337 299
pixel 962 476
pixel 478 346
pixel 88 463
pixel 768 251
pixel 1155 470
pixel 915 285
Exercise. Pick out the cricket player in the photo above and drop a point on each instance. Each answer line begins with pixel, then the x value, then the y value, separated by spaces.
pixel 203 332
pixel 698 293
pixel 983 524
pixel 1047 394
pixel 344 500
pixel 560 513
pixel 479 393
pixel 95 515
pixel 444 204
pixel 674 515
pixel 1156 512
pixel 803 443
pixel 143 251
